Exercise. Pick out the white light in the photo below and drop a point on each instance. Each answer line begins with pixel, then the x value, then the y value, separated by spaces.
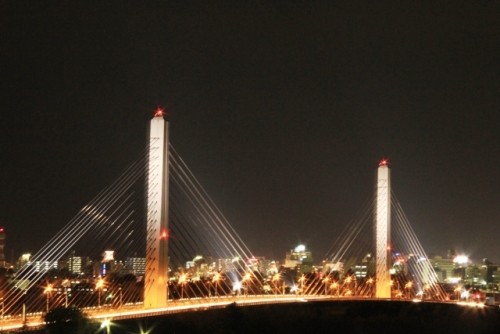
pixel 105 323
pixel 300 249
pixel 461 259
pixel 108 255
pixel 453 280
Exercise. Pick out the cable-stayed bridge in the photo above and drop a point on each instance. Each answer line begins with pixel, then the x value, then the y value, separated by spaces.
pixel 377 256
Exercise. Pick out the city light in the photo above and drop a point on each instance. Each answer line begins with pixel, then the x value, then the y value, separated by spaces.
pixel 48 292
pixel 461 259
pixel 159 112
pixel 99 285
pixel 182 282
pixel 105 324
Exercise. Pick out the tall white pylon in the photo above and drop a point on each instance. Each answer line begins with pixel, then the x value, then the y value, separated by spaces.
pixel 383 231
pixel 156 273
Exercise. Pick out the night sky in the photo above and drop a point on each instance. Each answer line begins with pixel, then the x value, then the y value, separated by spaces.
pixel 282 109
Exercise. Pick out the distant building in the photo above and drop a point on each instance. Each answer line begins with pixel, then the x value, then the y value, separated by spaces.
pixel 495 276
pixel 488 271
pixel 473 276
pixel 44 266
pixel 136 265
pixel 299 258
pixel 74 264
pixel 24 259
pixel 259 264
pixel 199 266
pixel 230 264
pixel 445 269
pixel 366 267
pixel 336 268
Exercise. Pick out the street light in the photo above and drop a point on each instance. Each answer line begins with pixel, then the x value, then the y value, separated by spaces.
pixel 370 286
pixel 276 278
pixel 325 281
pixel 48 290
pixel 245 280
pixel 427 287
pixel 182 281
pixel 215 280
pixel 66 283
pixel 99 285
pixel 335 286
pixel 408 286
pixel 458 290
pixel 301 281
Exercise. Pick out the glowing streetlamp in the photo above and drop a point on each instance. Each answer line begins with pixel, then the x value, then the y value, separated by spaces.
pixel 427 287
pixel 458 291
pixel 347 282
pixel 99 285
pixel 182 282
pixel 66 284
pixel 335 286
pixel 325 281
pixel 246 278
pixel 216 280
pixel 276 279
pixel 370 282
pixel 408 286
pixel 48 291
pixel 301 281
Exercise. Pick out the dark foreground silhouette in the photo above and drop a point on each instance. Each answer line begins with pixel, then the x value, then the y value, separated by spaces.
pixel 334 316
pixel 350 317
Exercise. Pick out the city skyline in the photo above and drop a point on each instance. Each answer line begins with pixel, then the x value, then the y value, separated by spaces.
pixel 282 112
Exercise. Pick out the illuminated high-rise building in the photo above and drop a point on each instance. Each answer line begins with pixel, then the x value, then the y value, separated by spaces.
pixel 74 263
pixel 156 273
pixel 136 265
pixel 383 231
pixel 299 258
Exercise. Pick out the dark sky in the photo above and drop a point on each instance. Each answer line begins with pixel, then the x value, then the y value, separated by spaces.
pixel 282 109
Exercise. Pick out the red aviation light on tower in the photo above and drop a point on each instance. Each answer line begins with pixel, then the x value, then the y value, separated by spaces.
pixel 383 162
pixel 159 112
pixel 164 234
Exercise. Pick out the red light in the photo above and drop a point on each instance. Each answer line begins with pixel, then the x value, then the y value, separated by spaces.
pixel 159 112
pixel 383 162
pixel 164 235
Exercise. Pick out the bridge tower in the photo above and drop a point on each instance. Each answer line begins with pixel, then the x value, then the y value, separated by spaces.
pixel 383 231
pixel 156 273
